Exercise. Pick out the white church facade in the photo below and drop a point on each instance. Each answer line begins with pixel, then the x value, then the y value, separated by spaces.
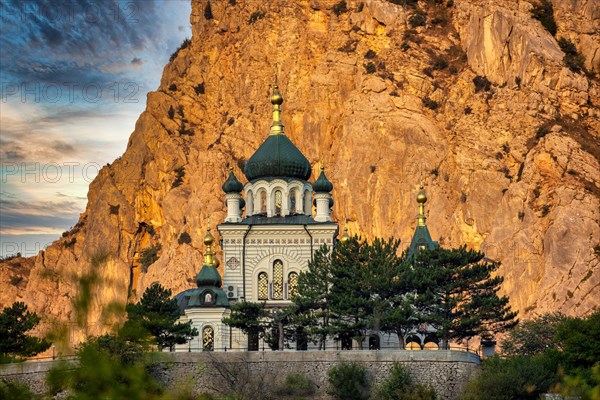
pixel 268 237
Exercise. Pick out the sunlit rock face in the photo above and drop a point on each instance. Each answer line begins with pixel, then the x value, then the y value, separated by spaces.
pixel 377 120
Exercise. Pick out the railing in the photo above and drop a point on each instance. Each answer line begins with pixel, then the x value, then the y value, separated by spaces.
pixel 265 348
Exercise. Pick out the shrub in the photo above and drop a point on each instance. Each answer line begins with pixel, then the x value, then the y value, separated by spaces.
pixel 418 18
pixel 544 12
pixel 184 238
pixel 481 84
pixel 199 88
pixel 431 104
pixel 180 173
pixel 542 131
pixel 296 384
pixel 572 58
pixel 437 61
pixel 370 68
pixel 256 15
pixel 348 381
pixel 186 42
pixel 399 386
pixel 208 11
pixel 370 54
pixel 340 8
pixel 171 112
pixel 149 256
pixel 512 378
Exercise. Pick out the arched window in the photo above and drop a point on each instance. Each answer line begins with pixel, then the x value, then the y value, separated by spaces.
pixel 292 284
pixel 208 338
pixel 374 342
pixel 263 201
pixel 278 202
pixel 263 286
pixel 292 201
pixel 278 280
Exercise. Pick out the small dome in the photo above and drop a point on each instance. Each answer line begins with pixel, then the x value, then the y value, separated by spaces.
pixel 232 185
pixel 322 184
pixel 208 276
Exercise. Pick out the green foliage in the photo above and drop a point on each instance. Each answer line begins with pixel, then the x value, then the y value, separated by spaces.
pixel 460 294
pixel 481 84
pixel 296 385
pixel 312 305
pixel 579 339
pixel 418 18
pixel 104 374
pixel 572 58
pixel 15 322
pixel 430 103
pixel 544 12
pixel 256 15
pixel 349 297
pixel 340 8
pixel 370 68
pixel 533 336
pixel 186 42
pixel 349 381
pixel 179 172
pixel 370 54
pixel 251 318
pixel 184 238
pixel 157 314
pixel 15 391
pixel 518 377
pixel 149 256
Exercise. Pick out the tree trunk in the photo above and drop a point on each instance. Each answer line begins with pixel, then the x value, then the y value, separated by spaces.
pixel 280 327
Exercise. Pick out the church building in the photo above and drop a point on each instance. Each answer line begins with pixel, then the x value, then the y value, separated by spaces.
pixel 268 237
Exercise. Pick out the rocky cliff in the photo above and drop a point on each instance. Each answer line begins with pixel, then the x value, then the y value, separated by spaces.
pixel 475 96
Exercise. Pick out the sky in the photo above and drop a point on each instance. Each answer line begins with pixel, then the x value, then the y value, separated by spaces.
pixel 73 80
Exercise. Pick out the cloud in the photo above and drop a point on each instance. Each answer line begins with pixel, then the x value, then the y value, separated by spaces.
pixel 19 217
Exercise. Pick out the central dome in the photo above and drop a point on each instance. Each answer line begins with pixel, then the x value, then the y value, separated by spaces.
pixel 277 157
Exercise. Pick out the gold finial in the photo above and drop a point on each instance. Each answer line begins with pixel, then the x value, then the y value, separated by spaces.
pixel 421 199
pixel 345 237
pixel 276 100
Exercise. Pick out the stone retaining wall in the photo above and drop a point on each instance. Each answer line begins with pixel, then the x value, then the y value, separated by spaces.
pixel 446 370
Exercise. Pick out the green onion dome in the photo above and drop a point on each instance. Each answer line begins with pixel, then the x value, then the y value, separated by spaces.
pixel 277 157
pixel 232 185
pixel 322 184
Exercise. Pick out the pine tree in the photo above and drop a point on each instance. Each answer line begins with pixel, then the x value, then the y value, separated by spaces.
pixel 15 322
pixel 251 318
pixel 312 301
pixel 350 297
pixel 157 313
pixel 459 294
